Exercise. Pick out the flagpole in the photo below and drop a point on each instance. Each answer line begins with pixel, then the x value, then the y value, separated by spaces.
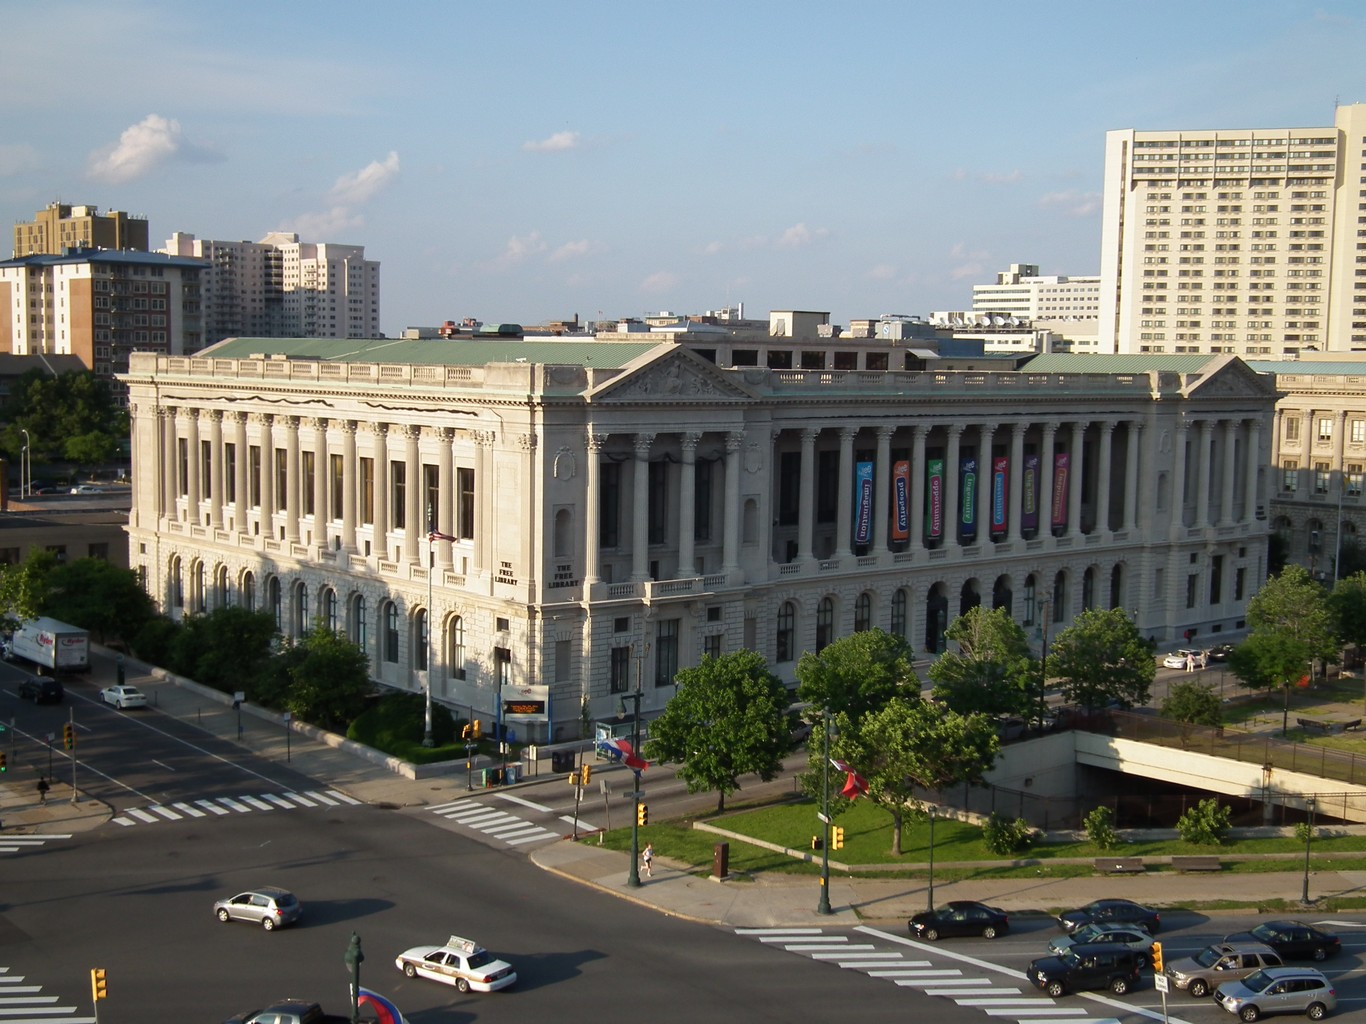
pixel 823 907
pixel 427 740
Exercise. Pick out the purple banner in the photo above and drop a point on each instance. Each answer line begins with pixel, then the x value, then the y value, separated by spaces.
pixel 901 499
pixel 1029 496
pixel 999 495
pixel 1060 485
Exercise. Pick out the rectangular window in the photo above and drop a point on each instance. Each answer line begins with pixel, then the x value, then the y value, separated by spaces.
pixel 281 478
pixel 564 650
pixel 100 551
pixel 828 471
pixel 701 505
pixel 1290 475
pixel 398 491
pixel 1325 429
pixel 206 470
pixel 367 491
pixel 609 508
pixel 1292 428
pixel 711 645
pixel 254 475
pixel 1358 431
pixel 1192 588
pixel 789 487
pixel 307 468
pixel 431 497
pixel 1239 583
pixel 183 467
pixel 658 511
pixel 230 474
pixel 1216 579
pixel 620 674
pixel 666 651
pixel 1353 479
pixel 337 479
pixel 464 504
pixel 1322 476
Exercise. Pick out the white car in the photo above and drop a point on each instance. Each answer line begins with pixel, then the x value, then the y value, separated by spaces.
pixel 460 962
pixel 87 489
pixel 124 697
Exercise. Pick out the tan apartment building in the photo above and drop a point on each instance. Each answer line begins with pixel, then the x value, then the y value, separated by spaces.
pixel 60 227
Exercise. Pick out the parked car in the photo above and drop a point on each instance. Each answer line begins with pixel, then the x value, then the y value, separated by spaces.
pixel 1087 966
pixel 1130 936
pixel 1112 912
pixel 959 917
pixel 1279 990
pixel 1294 940
pixel 1221 652
pixel 41 691
pixel 1177 659
pixel 1223 961
pixel 460 962
pixel 87 489
pixel 124 697
pixel 269 906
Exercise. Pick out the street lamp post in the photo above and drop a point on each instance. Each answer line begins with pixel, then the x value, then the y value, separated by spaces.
pixel 823 906
pixel 633 879
pixel 427 740
pixel 353 959
pixel 1308 840
pixel 930 899
pixel 1045 610
pixel 25 466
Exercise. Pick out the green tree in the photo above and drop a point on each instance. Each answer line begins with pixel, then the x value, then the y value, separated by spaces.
pixel 857 673
pixel 1101 658
pixel 1195 703
pixel 988 668
pixel 98 596
pixel 1206 824
pixel 909 744
pixel 57 409
pixel 1347 602
pixel 26 587
pixel 328 679
pixel 1100 828
pixel 728 719
pixel 227 648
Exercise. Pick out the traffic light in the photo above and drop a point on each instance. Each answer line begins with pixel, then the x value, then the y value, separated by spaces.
pixel 69 736
pixel 816 842
pixel 837 838
pixel 4 761
pixel 642 814
pixel 1157 957
pixel 99 989
pixel 478 732
pixel 573 778
pixel 465 731
pixel 587 771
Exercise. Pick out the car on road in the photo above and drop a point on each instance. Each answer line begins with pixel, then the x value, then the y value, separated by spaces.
pixel 1279 990
pixel 460 962
pixel 124 697
pixel 1220 652
pixel 1130 936
pixel 1294 940
pixel 269 906
pixel 289 1011
pixel 41 691
pixel 1087 966
pixel 959 917
pixel 1223 961
pixel 1177 659
pixel 87 489
pixel 1112 911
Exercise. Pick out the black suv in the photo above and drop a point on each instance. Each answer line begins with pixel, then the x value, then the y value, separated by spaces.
pixel 1088 965
pixel 41 691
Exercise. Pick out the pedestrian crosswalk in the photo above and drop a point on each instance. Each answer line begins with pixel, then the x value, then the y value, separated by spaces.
pixel 25 1003
pixel 968 981
pixel 504 826
pixel 13 843
pixel 224 805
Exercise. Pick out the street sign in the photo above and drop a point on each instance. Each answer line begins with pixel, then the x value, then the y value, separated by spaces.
pixel 604 788
pixel 1160 982
pixel 823 819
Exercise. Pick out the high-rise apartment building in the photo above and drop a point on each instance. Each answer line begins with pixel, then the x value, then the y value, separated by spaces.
pixel 280 287
pixel 1242 241
pixel 1022 293
pixel 60 227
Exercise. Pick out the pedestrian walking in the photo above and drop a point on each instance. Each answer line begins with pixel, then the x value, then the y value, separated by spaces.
pixel 1204 660
pixel 42 789
pixel 647 859
pixel 1190 662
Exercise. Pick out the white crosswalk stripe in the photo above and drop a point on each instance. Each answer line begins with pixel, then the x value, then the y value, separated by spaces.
pixel 496 823
pixel 225 805
pixel 890 958
pixel 25 1004
pixel 14 844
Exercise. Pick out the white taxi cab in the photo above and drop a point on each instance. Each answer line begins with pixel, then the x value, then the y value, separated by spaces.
pixel 460 962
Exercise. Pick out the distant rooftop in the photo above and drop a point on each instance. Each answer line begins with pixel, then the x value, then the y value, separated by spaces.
pixel 576 351
pixel 126 256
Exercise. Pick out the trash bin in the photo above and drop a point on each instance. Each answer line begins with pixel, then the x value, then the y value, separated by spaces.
pixel 493 777
pixel 562 761
pixel 510 774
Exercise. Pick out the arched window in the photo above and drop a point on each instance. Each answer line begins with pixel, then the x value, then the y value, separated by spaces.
pixel 222 592
pixel 360 629
pixel 391 632
pixel 301 621
pixel 176 585
pixel 457 659
pixel 329 609
pixel 420 655
pixel 825 623
pixel 273 603
pixel 1088 589
pixel 863 612
pixel 786 638
pixel 249 591
pixel 900 601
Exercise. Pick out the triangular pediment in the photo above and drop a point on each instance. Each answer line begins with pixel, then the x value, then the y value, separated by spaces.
pixel 1231 378
pixel 672 375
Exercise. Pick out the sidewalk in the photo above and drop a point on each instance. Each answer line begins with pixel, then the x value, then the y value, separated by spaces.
pixel 768 900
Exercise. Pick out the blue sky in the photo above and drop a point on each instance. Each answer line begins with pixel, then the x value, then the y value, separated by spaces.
pixel 529 161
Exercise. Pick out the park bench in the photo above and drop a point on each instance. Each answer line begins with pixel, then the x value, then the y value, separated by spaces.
pixel 1197 863
pixel 1119 865
pixel 1315 725
pixel 1351 726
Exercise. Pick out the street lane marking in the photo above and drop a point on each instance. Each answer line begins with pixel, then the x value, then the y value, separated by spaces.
pixel 525 803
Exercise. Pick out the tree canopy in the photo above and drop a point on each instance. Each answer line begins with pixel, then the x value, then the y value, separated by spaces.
pixel 1347 602
pixel 322 678
pixel 71 416
pixel 728 719
pixel 1101 659
pixel 989 670
pixel 1196 703
pixel 857 673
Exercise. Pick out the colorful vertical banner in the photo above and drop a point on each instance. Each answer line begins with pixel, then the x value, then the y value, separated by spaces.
pixel 934 499
pixel 1000 493
pixel 863 502
pixel 901 500
pixel 1029 496
pixel 967 489
pixel 1060 485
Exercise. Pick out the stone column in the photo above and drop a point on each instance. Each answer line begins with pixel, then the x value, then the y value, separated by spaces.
pixel 640 502
pixel 1107 442
pixel 349 487
pixel 730 546
pixel 293 506
pixel 985 433
pixel 267 514
pixel 882 475
pixel 216 486
pixel 240 476
pixel 918 433
pixel 445 497
pixel 845 493
pixel 592 502
pixel 1133 441
pixel 952 513
pixel 1076 463
pixel 170 477
pixel 483 490
pixel 192 445
pixel 321 491
pixel 1015 481
pixel 380 530
pixel 1229 464
pixel 1050 431
pixel 1179 481
pixel 1338 469
pixel 1202 473
pixel 1277 432
pixel 806 497
pixel 414 515
pixel 687 505
pixel 1253 462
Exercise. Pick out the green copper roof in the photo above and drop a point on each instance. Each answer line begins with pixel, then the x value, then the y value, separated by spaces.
pixel 437 351
pixel 1051 362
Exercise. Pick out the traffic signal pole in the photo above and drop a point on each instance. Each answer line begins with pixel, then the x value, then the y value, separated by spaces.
pixel 71 724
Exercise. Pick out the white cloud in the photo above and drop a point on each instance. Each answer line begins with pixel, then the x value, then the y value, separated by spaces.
pixel 363 185
pixel 327 225
pixel 518 250
pixel 882 272
pixel 1072 204
pixel 556 143
pixel 659 282
pixel 966 270
pixel 571 250
pixel 140 149
pixel 799 235
pixel 17 158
